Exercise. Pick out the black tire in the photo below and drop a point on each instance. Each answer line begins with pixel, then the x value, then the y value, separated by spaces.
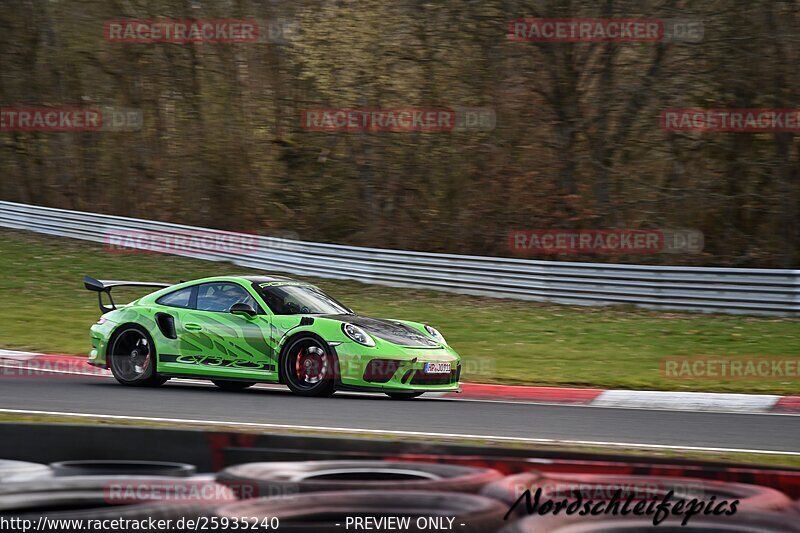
pixel 403 395
pixel 122 468
pixel 103 485
pixel 509 489
pixel 132 357
pixel 279 478
pixel 22 470
pixel 93 497
pixel 322 511
pixel 308 367
pixel 232 386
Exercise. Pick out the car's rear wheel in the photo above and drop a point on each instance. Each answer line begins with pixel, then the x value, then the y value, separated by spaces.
pixel 132 355
pixel 232 386
pixel 403 395
pixel 308 368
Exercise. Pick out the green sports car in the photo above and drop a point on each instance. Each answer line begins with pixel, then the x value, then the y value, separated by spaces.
pixel 240 330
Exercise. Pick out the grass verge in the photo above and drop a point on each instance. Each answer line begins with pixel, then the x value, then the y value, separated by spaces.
pixel 45 308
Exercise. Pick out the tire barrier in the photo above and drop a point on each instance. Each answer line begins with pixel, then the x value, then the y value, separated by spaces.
pixel 333 511
pixel 318 495
pixel 282 478
pixel 122 468
pixel 744 522
pixel 116 490
pixel 504 465
pixel 111 497
pixel 602 487
pixel 510 488
pixel 784 479
pixel 22 470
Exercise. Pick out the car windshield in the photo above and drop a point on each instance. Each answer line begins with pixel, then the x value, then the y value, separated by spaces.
pixel 298 299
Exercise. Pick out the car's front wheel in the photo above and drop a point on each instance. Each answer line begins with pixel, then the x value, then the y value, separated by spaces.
pixel 132 355
pixel 308 368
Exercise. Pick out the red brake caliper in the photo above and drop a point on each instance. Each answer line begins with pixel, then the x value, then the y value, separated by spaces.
pixel 299 365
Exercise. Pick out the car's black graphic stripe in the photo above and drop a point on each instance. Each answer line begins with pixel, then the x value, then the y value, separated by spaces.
pixel 211 360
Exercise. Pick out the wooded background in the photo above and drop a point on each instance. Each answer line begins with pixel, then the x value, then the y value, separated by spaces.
pixel 577 142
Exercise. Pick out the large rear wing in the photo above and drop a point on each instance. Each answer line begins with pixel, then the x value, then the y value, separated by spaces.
pixel 101 286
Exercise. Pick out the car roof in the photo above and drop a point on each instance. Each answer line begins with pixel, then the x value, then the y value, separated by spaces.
pixel 264 279
pixel 257 279
pixel 232 277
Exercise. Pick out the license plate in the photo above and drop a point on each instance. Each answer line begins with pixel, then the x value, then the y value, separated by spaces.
pixel 437 368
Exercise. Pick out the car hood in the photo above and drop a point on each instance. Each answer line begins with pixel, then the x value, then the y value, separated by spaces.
pixel 389 331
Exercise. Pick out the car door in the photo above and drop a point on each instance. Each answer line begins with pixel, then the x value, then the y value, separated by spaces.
pixel 215 342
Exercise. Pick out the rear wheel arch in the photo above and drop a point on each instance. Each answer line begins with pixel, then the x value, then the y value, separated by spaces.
pixel 121 328
pixel 154 378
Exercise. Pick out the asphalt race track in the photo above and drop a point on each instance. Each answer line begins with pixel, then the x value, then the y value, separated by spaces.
pixel 199 402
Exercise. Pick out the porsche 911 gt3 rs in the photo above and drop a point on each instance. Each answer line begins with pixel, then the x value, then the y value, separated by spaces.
pixel 240 330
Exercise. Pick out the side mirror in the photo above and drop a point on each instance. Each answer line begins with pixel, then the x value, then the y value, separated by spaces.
pixel 243 309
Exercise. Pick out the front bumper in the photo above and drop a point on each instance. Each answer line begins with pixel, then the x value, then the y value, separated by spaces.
pixel 402 369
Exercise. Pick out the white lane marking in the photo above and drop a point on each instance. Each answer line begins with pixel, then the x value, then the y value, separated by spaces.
pixel 391 432
pixel 652 402
pixel 687 401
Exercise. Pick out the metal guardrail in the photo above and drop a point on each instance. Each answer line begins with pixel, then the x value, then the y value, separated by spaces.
pixel 724 290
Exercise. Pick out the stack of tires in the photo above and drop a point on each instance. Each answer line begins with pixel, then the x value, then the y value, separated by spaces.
pixel 330 495
pixel 289 496
pixel 318 496
pixel 21 470
pixel 106 490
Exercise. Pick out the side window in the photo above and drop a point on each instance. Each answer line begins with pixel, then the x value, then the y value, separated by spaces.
pixel 181 298
pixel 220 297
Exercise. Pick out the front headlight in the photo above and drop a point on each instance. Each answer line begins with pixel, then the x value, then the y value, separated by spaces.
pixel 358 335
pixel 433 332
